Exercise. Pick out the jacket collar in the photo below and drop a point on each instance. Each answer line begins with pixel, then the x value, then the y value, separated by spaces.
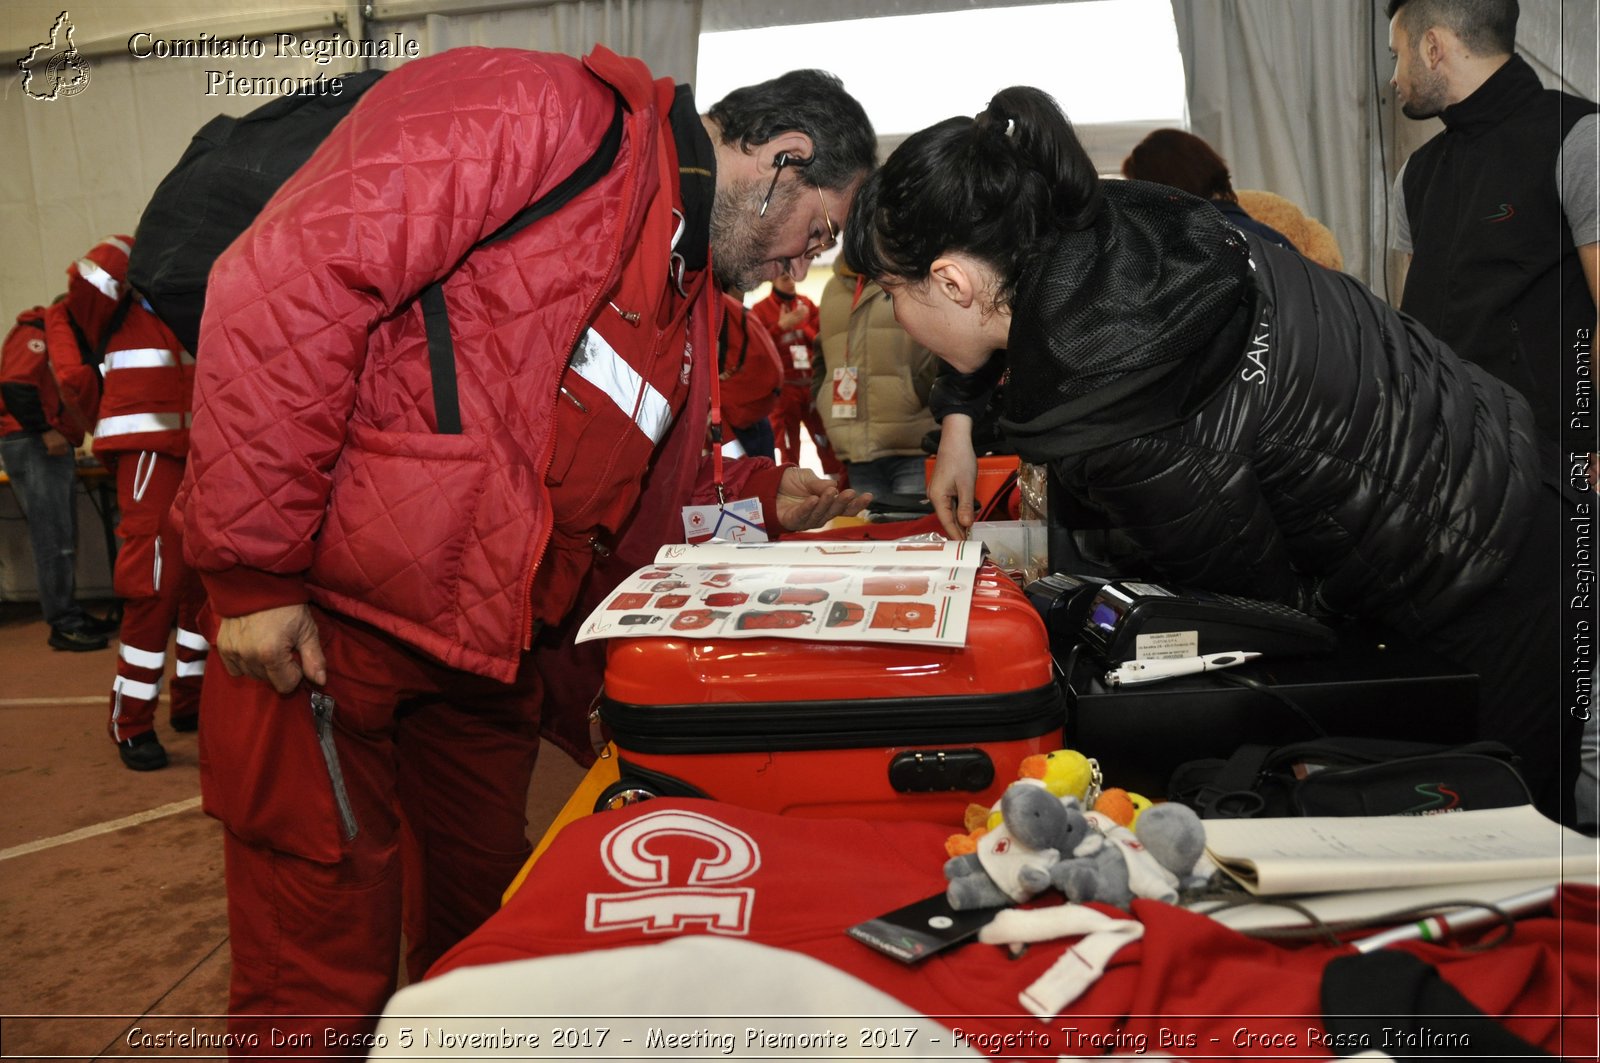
pixel 697 178
pixel 1507 89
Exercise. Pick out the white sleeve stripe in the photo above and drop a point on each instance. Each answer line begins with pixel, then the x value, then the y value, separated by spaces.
pixel 145 358
pixel 599 363
pixel 135 689
pixel 105 282
pixel 143 658
pixel 134 423
pixel 190 668
pixel 192 640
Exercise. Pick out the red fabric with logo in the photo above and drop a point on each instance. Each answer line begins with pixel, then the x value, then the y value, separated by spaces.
pixel 1189 987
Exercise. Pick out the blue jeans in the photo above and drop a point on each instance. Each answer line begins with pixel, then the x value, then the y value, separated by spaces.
pixel 892 476
pixel 44 485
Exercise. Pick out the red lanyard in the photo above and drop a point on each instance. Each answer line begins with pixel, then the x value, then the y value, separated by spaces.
pixel 861 283
pixel 716 419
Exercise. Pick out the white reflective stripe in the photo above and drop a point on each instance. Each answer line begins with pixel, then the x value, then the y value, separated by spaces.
pixel 135 689
pixel 105 282
pixel 143 358
pixel 142 471
pixel 133 423
pixel 188 668
pixel 118 244
pixel 143 658
pixel 116 713
pixel 192 640
pixel 599 363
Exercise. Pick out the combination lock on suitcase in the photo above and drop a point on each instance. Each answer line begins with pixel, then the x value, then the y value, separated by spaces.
pixel 856 729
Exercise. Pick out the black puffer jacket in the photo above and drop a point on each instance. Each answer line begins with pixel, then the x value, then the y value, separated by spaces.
pixel 1340 458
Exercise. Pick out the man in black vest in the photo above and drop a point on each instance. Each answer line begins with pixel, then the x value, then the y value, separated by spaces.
pixel 1498 214
pixel 1498 211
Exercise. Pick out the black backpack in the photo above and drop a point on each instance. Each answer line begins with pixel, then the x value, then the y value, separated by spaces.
pixel 233 166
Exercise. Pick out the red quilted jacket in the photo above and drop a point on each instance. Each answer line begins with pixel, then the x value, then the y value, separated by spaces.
pixel 315 470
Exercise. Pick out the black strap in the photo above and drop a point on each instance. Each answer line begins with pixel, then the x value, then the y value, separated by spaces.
pixel 1231 793
pixel 436 316
pixel 441 360
pixel 1398 1002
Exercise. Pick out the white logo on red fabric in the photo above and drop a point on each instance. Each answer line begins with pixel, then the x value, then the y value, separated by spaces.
pixel 667 898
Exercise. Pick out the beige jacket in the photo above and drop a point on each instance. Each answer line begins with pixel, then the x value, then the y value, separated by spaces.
pixel 894 373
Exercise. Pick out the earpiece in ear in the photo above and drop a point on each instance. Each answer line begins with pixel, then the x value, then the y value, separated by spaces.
pixel 781 160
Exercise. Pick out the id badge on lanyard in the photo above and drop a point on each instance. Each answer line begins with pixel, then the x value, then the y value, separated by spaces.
pixel 739 520
pixel 846 389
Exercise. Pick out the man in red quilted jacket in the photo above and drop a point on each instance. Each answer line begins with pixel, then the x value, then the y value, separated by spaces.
pixel 388 597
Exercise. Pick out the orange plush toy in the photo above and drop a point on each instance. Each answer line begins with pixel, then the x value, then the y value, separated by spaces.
pixel 1064 772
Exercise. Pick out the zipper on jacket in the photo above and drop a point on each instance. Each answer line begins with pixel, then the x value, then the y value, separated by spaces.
pixel 566 391
pixel 632 317
pixel 322 713
pixel 613 273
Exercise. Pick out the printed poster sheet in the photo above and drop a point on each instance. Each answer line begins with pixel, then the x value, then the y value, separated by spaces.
pixel 911 592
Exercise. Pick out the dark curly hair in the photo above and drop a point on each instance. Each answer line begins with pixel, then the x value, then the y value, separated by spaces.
pixel 992 186
pixel 813 102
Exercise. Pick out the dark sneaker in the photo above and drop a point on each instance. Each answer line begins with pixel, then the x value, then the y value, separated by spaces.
pixel 75 640
pixel 143 752
pixel 185 724
pixel 94 625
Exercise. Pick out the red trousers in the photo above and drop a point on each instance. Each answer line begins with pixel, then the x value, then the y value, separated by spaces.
pixel 404 810
pixel 160 592
pixel 795 408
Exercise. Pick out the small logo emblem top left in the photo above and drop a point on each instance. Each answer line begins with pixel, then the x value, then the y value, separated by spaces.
pixel 53 69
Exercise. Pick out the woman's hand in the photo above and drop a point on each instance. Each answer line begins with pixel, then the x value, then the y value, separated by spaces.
pixel 954 482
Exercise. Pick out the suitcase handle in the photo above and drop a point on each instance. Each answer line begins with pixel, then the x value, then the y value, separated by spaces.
pixel 925 771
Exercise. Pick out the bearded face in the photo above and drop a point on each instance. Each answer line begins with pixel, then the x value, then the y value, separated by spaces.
pixel 746 245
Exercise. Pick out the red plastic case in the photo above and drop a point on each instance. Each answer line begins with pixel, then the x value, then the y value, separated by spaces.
pixel 837 728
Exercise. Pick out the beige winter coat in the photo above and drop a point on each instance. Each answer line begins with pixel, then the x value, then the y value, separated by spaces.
pixel 894 374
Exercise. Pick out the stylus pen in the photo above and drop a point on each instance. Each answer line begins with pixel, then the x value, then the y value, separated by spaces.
pixel 1129 673
pixel 1437 927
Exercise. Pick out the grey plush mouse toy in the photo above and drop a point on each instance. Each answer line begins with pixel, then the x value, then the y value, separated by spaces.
pixel 1013 861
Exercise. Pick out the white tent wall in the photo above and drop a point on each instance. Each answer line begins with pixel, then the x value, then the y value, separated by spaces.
pixel 1295 94
pixel 81 167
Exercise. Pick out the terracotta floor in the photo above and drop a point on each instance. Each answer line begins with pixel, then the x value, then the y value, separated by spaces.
pixel 112 913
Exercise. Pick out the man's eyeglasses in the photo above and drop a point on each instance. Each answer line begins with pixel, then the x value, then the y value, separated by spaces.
pixel 833 234
pixel 822 244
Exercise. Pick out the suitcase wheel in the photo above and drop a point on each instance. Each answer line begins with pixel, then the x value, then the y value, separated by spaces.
pixel 624 792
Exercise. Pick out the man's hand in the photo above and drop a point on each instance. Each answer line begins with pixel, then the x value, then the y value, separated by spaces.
pixel 806 500
pixel 278 646
pixel 55 444
pixel 792 317
pixel 954 482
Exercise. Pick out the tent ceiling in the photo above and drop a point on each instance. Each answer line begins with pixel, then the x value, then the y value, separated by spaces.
pixel 720 15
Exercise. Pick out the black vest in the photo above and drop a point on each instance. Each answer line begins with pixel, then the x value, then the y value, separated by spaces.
pixel 1494 271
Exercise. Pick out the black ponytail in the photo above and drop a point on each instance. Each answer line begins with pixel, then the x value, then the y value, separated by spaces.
pixel 995 186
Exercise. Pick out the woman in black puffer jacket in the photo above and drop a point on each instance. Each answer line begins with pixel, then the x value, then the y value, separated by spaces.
pixel 1244 420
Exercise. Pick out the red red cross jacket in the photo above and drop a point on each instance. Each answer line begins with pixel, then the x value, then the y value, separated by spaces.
pixel 316 471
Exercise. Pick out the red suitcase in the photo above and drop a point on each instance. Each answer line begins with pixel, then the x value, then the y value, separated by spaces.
pixel 855 729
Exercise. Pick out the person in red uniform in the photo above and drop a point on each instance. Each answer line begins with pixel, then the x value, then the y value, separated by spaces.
pixel 48 398
pixel 750 374
pixel 142 435
pixel 391 600
pixel 791 319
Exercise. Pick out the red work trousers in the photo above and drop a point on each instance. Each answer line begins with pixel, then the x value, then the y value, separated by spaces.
pixel 160 593
pixel 392 799
pixel 796 407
